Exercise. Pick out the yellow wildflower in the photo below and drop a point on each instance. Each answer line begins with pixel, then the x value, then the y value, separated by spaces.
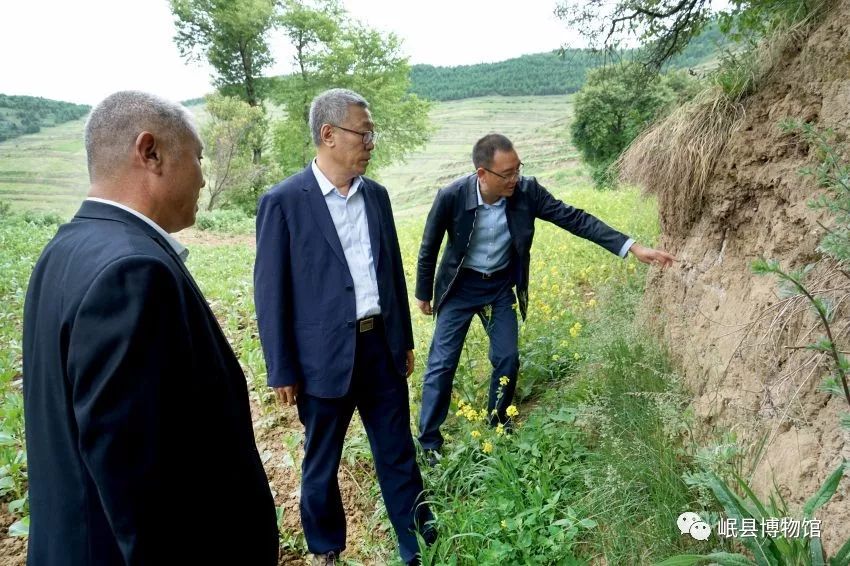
pixel 487 447
pixel 577 356
pixel 504 524
pixel 504 380
pixel 500 429
pixel 555 357
pixel 512 411
pixel 475 434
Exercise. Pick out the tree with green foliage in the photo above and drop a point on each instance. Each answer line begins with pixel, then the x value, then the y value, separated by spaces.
pixel 616 103
pixel 232 36
pixel 332 51
pixel 234 128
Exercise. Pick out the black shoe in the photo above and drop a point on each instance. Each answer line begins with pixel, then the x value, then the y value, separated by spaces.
pixel 432 457
pixel 415 562
pixel 328 559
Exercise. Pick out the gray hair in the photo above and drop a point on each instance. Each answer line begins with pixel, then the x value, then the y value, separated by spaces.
pixel 115 123
pixel 331 107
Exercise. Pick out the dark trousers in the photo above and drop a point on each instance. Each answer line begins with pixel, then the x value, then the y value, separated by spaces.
pixel 469 296
pixel 380 395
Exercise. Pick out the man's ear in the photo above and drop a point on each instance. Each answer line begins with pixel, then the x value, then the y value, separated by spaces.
pixel 148 152
pixel 326 135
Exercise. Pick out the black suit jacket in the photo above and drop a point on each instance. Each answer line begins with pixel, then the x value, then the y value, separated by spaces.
pixel 139 436
pixel 304 292
pixel 453 212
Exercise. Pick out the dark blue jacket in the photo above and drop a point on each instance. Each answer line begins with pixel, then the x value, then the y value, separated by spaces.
pixel 140 444
pixel 453 213
pixel 304 292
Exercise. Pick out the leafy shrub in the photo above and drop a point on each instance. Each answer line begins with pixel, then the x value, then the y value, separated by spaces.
pixel 42 219
pixel 614 106
pixel 229 220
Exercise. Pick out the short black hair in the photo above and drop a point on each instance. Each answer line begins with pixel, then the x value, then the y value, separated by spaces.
pixel 485 148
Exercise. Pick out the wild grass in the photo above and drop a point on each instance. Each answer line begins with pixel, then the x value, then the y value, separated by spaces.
pixel 594 474
pixel 675 159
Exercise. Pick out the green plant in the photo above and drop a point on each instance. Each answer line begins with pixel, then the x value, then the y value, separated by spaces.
pixel 832 175
pixel 766 549
pixel 616 103
pixel 42 219
pixel 234 128
pixel 288 540
pixel 231 221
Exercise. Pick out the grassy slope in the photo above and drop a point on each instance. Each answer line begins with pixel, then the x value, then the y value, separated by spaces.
pixel 45 171
pixel 536 124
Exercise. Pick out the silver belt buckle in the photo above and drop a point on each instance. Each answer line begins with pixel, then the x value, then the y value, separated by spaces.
pixel 367 324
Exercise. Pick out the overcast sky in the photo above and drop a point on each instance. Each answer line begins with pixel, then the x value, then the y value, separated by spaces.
pixel 82 51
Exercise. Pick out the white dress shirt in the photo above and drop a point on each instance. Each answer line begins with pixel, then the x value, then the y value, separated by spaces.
pixel 179 248
pixel 352 227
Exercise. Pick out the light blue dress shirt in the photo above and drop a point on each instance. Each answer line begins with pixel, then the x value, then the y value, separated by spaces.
pixel 489 247
pixel 352 227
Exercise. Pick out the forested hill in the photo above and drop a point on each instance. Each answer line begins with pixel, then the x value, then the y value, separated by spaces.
pixel 28 114
pixel 537 74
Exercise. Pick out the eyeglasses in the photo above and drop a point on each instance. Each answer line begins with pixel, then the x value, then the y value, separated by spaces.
pixel 512 177
pixel 368 137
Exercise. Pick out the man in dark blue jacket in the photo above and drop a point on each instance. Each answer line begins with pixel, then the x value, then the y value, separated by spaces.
pixel 140 445
pixel 489 218
pixel 334 322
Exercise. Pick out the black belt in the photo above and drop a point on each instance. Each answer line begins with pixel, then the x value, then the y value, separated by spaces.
pixel 485 276
pixel 370 323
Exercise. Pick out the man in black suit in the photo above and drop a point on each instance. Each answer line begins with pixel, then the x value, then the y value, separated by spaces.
pixel 139 437
pixel 334 322
pixel 489 218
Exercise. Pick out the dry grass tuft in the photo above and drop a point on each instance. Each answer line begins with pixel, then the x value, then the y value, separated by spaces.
pixel 675 158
